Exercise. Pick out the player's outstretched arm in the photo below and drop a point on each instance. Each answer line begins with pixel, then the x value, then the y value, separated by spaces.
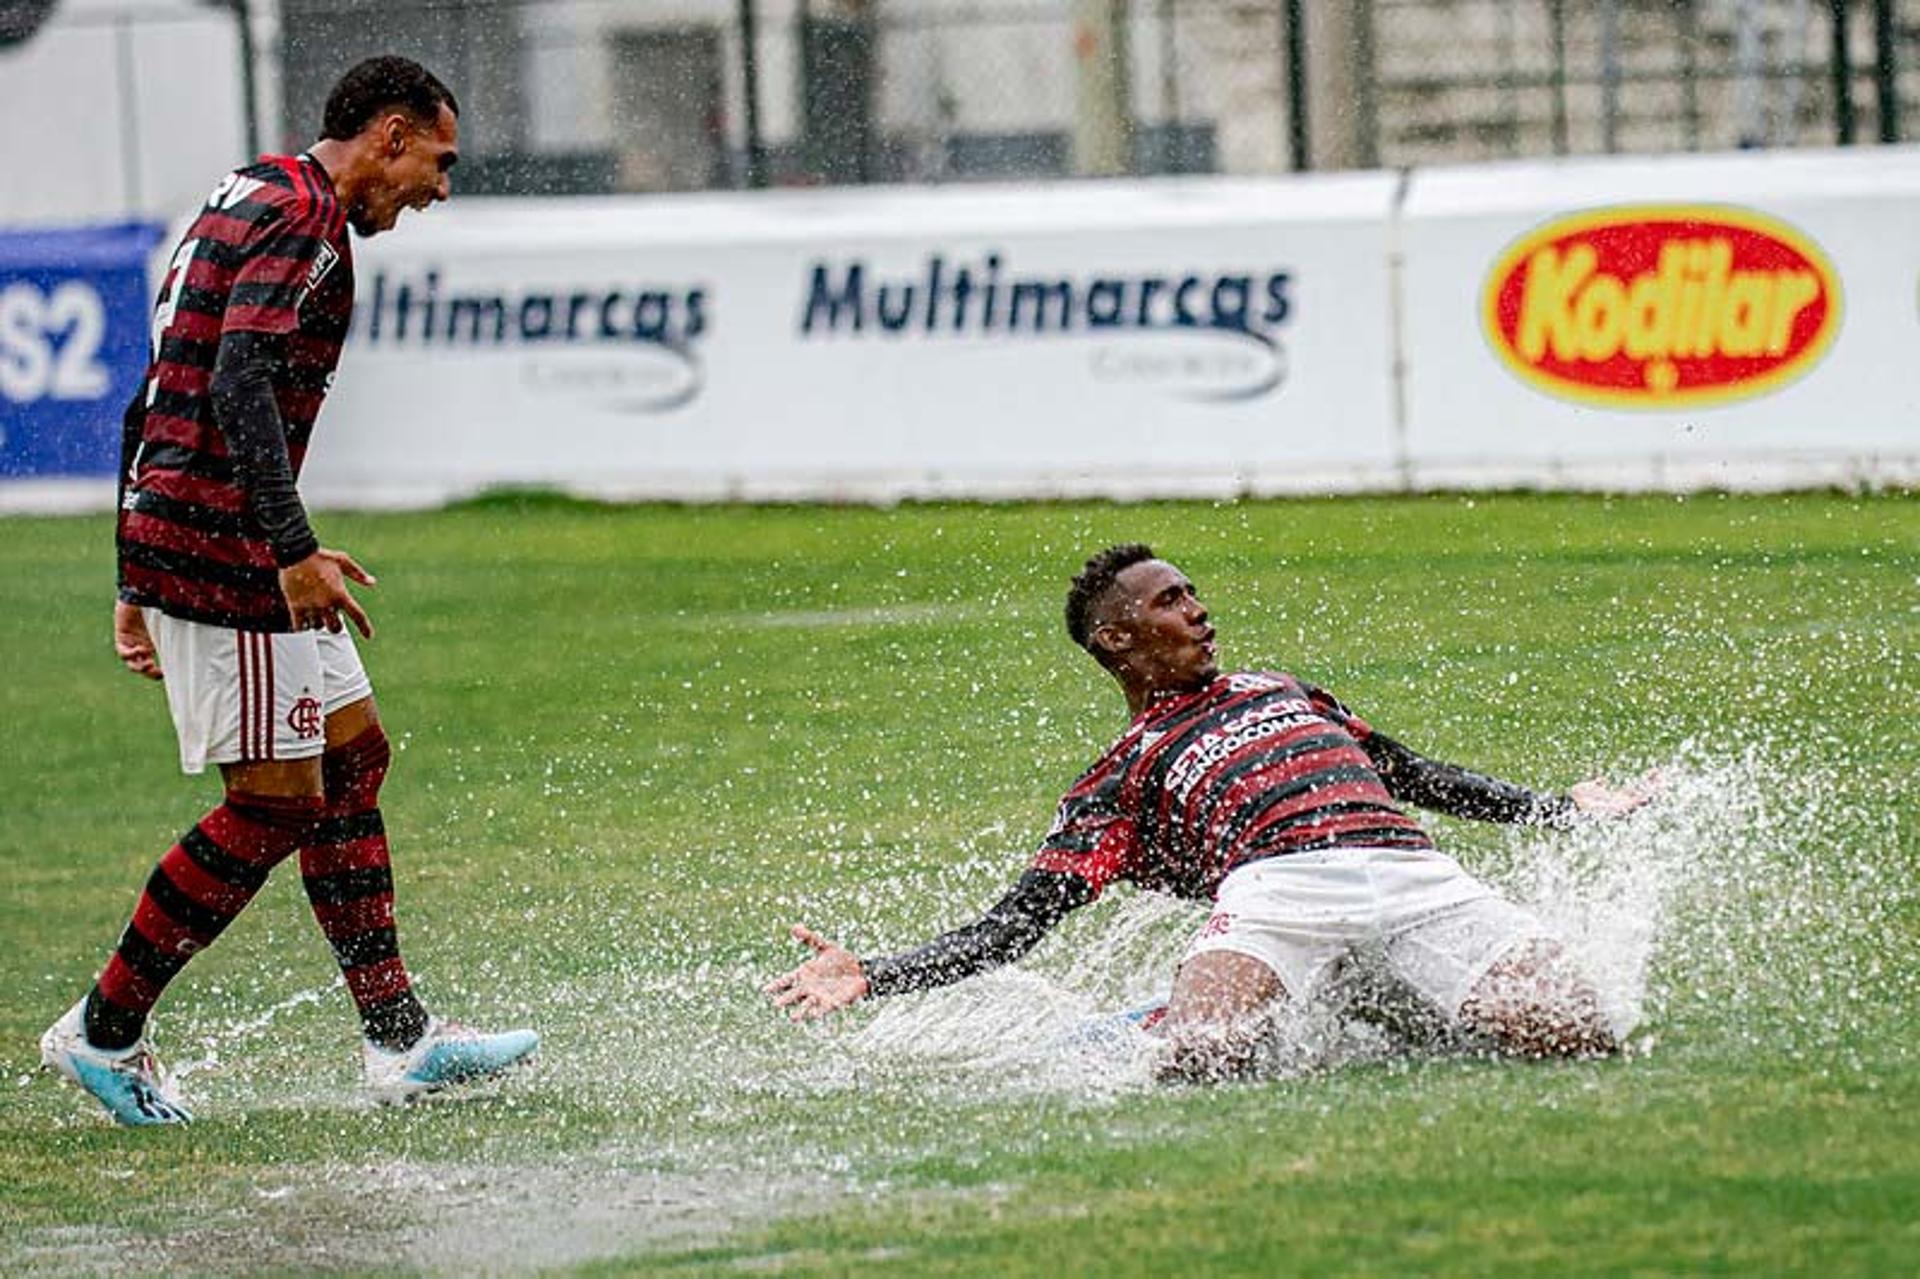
pixel 835 977
pixel 1459 792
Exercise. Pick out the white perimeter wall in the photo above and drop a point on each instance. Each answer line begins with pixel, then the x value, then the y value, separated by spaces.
pixel 1220 336
pixel 767 387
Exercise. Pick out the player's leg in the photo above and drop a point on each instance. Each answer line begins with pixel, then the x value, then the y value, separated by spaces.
pixel 1218 1017
pixel 1278 926
pixel 1489 967
pixel 199 887
pixel 347 869
pixel 227 690
pixel 236 698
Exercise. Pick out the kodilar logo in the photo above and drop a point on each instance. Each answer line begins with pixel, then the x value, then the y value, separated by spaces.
pixel 1661 306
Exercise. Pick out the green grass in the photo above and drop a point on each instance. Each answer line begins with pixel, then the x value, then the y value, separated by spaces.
pixel 635 742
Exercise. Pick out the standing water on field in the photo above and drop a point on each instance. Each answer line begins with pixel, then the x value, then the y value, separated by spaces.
pixel 1722 918
pixel 606 838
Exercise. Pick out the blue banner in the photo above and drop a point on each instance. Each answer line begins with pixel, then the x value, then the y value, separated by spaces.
pixel 74 313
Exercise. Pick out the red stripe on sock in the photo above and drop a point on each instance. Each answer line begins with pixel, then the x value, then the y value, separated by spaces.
pixel 353 854
pixel 164 932
pixel 263 843
pixel 377 982
pixel 354 772
pixel 124 988
pixel 201 888
pixel 350 919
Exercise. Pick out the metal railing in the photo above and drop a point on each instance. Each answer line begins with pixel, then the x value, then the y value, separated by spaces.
pixel 1527 77
pixel 638 95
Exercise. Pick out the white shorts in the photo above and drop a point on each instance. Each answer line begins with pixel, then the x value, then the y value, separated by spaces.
pixel 1432 926
pixel 249 696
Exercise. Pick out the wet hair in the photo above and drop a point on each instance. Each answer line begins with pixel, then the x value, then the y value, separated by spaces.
pixel 1094 581
pixel 381 84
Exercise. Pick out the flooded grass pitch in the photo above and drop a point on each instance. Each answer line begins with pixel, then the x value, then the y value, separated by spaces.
pixel 636 743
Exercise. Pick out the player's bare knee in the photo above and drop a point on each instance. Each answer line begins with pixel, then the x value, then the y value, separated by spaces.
pixel 1212 1053
pixel 273 779
pixel 1536 1003
pixel 1219 1019
pixel 1544 1034
pixel 346 723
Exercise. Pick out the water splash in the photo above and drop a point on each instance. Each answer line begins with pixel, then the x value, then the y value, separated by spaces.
pixel 1740 912
pixel 226 1035
pixel 1731 914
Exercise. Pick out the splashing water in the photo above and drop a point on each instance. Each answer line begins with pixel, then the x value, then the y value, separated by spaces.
pixel 1048 1029
pixel 248 1030
pixel 1737 910
pixel 1729 916
pixel 1726 914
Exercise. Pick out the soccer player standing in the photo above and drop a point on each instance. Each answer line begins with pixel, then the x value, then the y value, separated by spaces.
pixel 224 588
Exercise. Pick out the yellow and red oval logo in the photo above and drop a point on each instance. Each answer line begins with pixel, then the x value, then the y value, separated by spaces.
pixel 1661 306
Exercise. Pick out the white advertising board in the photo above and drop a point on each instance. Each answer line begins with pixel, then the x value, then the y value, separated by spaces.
pixel 1741 321
pixel 1128 339
pixel 1733 321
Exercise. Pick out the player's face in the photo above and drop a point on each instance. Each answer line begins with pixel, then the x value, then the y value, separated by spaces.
pixel 1161 627
pixel 414 169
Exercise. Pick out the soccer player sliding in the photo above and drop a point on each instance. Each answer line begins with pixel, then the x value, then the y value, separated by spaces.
pixel 225 589
pixel 1266 797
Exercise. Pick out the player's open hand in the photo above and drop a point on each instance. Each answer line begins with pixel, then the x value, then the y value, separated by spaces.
pixel 316 591
pixel 132 643
pixel 829 981
pixel 1596 798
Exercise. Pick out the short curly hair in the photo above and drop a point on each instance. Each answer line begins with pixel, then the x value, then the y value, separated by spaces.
pixel 1094 581
pixel 381 84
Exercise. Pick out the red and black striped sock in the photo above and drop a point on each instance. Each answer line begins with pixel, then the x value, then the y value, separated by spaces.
pixel 198 888
pixel 349 879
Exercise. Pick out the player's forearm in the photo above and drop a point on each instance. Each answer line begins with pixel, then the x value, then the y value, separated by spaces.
pixel 1013 926
pixel 1460 792
pixel 249 417
pixel 132 427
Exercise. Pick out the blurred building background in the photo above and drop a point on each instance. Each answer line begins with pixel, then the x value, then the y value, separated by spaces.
pixel 588 96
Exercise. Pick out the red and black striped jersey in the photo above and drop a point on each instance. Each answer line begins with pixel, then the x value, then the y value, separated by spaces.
pixel 268 254
pixel 1256 764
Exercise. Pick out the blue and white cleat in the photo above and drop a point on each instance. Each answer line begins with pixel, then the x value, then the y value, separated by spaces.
pixel 1115 1032
pixel 129 1082
pixel 447 1054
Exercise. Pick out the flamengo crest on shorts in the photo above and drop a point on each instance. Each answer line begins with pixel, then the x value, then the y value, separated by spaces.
pixel 253 696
